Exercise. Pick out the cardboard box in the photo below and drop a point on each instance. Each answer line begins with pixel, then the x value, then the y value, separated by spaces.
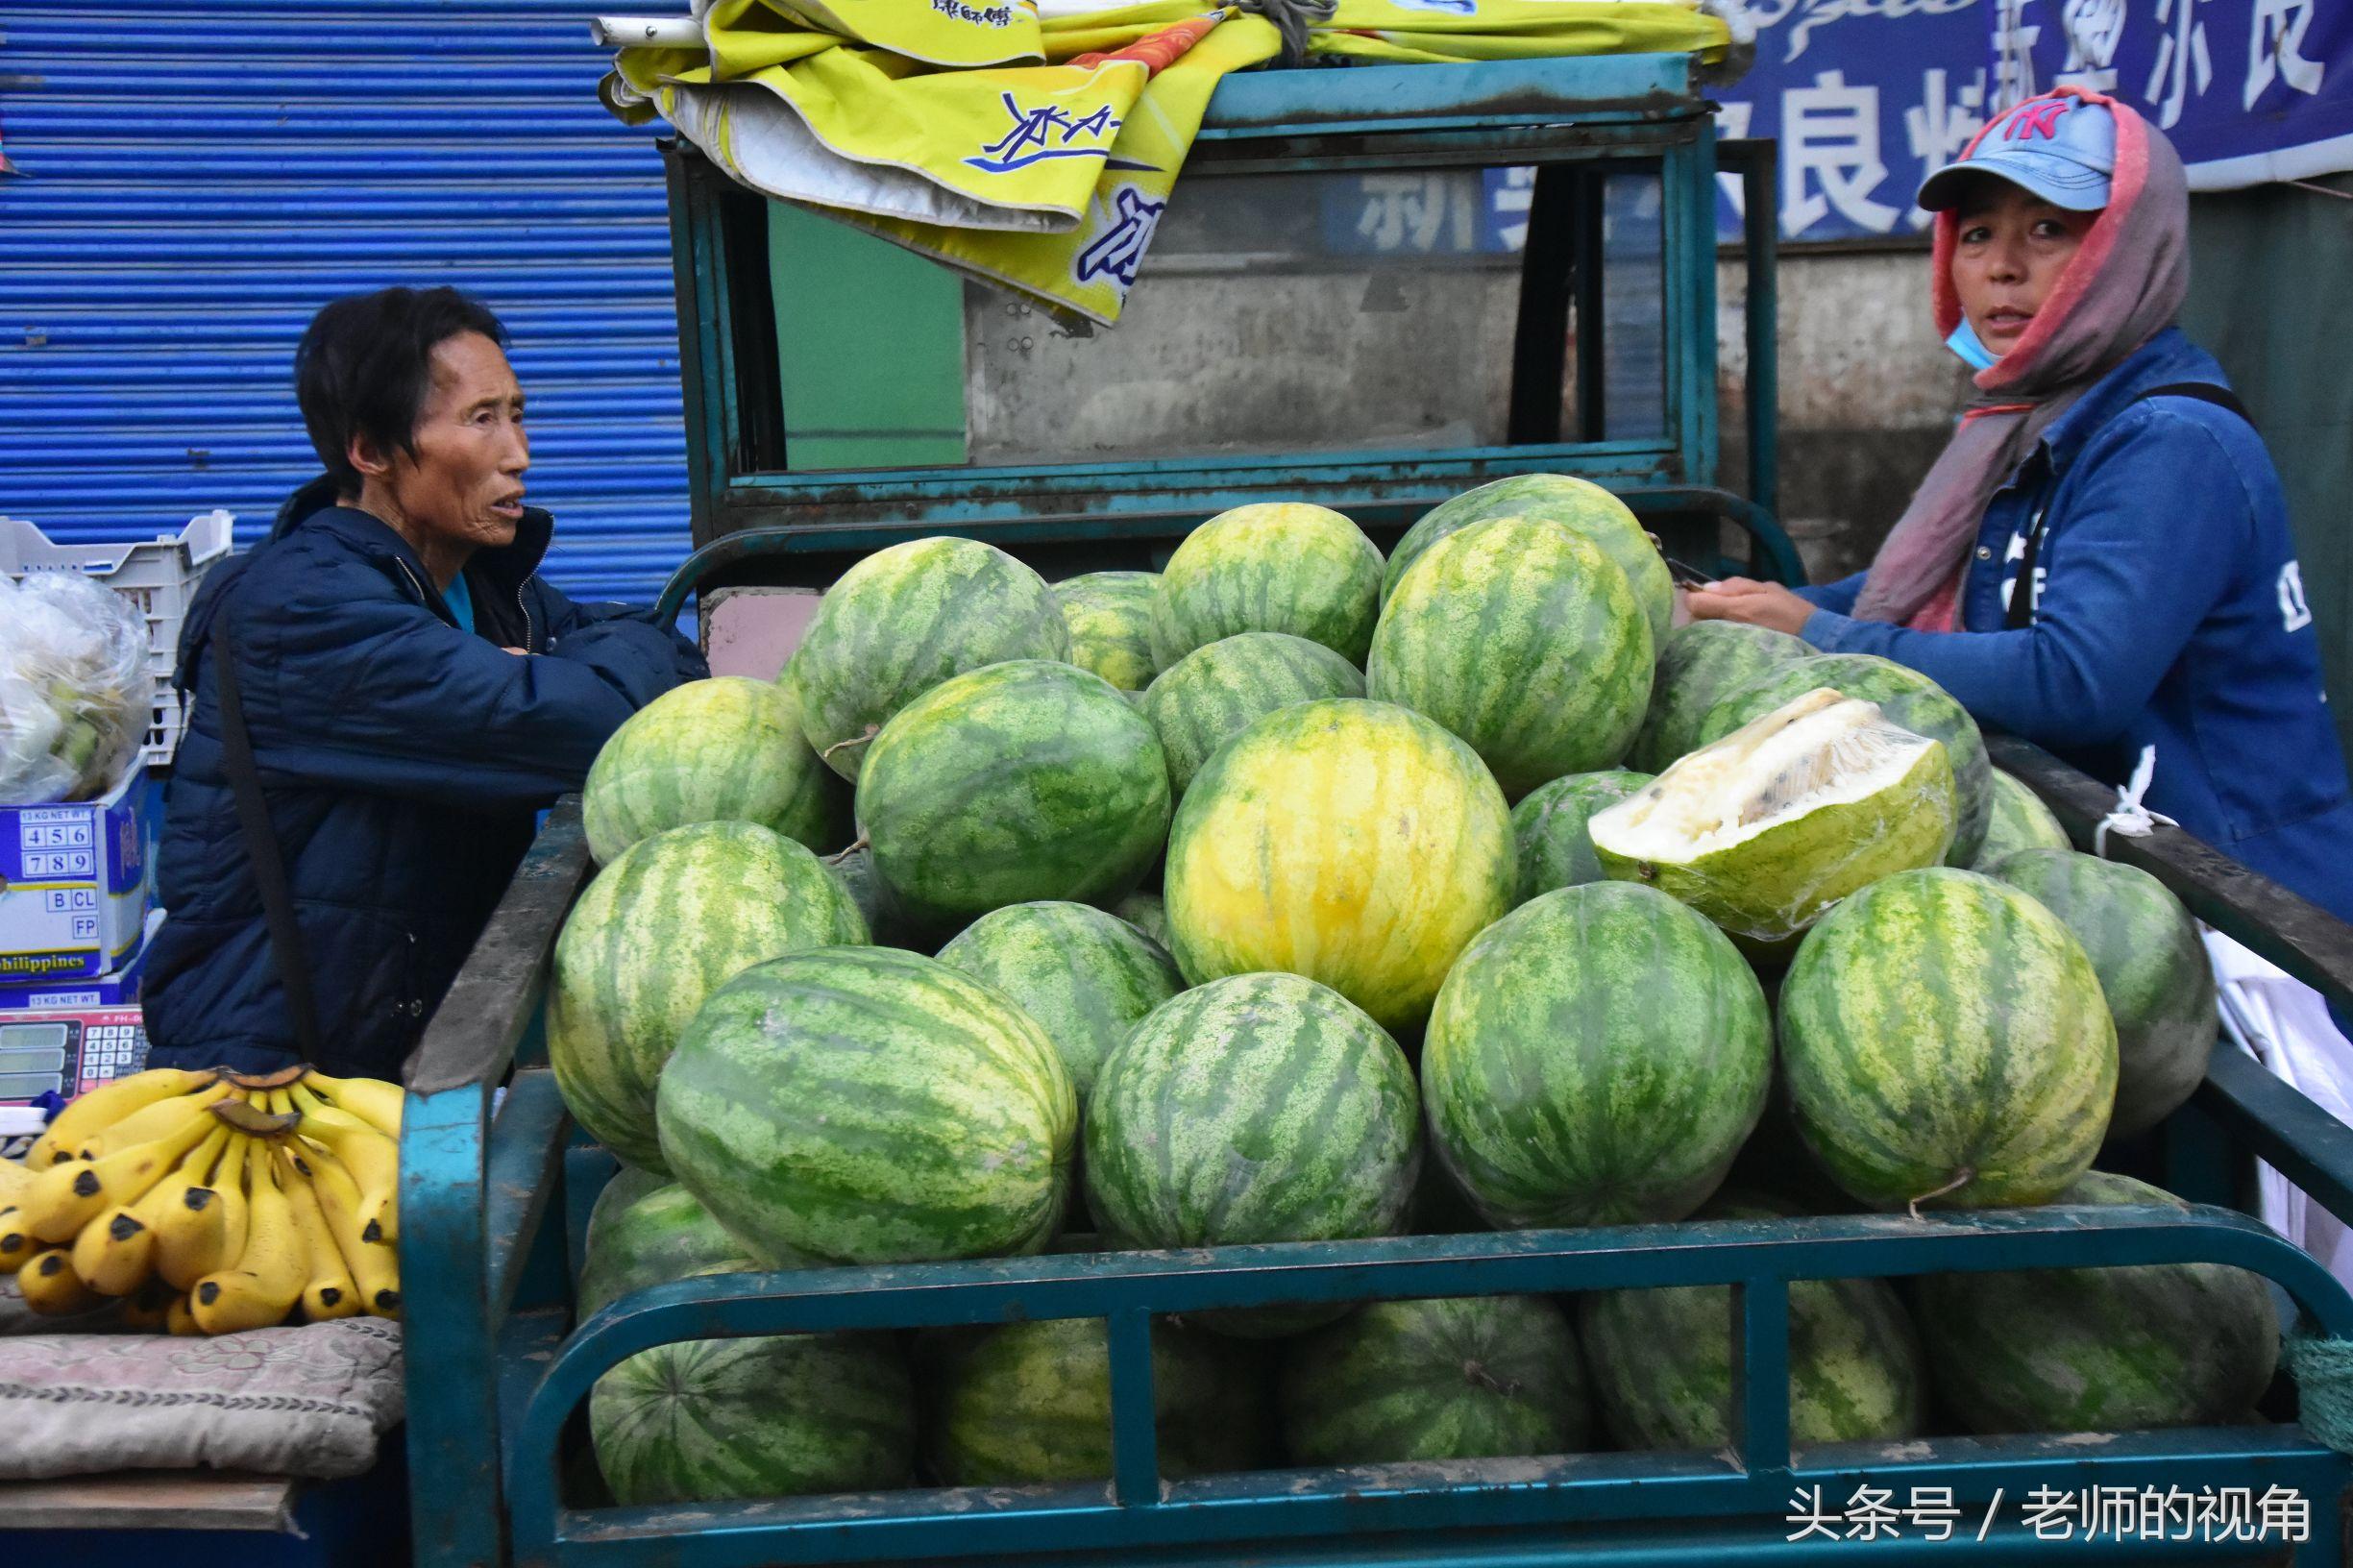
pixel 70 1036
pixel 75 883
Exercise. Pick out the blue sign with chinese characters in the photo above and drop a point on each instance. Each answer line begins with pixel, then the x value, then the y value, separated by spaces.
pixel 1867 96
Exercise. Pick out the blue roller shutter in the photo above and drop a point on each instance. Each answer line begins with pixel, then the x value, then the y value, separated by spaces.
pixel 198 178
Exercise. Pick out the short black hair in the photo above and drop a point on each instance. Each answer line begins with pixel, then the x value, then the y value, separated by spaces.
pixel 366 363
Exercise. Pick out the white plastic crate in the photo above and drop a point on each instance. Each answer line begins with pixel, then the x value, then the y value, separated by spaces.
pixel 159 576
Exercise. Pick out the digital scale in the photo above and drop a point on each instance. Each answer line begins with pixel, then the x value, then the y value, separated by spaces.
pixel 70 1054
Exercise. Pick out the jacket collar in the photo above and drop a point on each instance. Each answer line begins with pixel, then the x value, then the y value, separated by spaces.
pixel 502 568
pixel 2164 359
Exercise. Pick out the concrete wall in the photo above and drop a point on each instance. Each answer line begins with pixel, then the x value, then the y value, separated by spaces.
pixel 1867 396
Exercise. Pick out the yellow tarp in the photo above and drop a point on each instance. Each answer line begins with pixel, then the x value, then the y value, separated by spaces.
pixel 1041 154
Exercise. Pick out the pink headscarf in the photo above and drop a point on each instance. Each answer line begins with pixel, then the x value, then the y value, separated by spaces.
pixel 2124 285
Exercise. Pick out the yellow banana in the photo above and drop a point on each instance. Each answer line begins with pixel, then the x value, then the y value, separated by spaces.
pixel 14 1178
pixel 373 1159
pixel 149 1307
pixel 16 1260
pixel 17 1242
pixel 330 1291
pixel 270 1273
pixel 372 1100
pixel 150 1122
pixel 374 1265
pixel 200 1228
pixel 115 1253
pixel 110 1103
pixel 179 1320
pixel 52 1288
pixel 65 1198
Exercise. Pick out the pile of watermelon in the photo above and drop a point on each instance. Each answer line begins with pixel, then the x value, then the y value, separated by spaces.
pixel 1297 894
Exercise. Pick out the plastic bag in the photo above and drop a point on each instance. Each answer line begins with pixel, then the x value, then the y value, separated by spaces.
pixel 74 702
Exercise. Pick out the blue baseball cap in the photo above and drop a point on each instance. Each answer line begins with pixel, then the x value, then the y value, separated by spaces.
pixel 2060 147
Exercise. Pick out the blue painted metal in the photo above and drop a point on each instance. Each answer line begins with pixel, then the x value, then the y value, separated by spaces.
pixel 202 175
pixel 1610 113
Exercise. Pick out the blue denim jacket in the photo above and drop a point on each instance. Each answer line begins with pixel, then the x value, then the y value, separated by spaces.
pixel 2168 610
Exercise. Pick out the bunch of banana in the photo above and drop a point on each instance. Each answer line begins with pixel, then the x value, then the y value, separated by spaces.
pixel 211 1202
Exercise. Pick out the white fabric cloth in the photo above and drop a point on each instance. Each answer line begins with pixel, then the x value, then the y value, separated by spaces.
pixel 2284 1024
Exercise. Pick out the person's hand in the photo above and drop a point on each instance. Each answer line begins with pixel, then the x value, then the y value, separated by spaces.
pixel 1754 603
pixel 519 652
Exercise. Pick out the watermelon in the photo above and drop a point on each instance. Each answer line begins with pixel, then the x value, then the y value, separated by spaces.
pixel 1596 1058
pixel 1467 1377
pixel 1110 615
pixel 1352 842
pixel 712 1419
pixel 2152 971
pixel 1764 829
pixel 1083 975
pixel 854 869
pixel 718 750
pixel 1699 664
pixel 2101 1349
pixel 1906 696
pixel 1523 638
pixel 1260 1108
pixel 1944 1040
pixel 1553 498
pixel 1214 693
pixel 1030 1403
pixel 658 929
pixel 1548 828
pixel 1145 912
pixel 906 618
pixel 1662 1358
pixel 870 1106
pixel 1271 567
pixel 626 1185
pixel 1021 781
pixel 663 1235
pixel 2016 821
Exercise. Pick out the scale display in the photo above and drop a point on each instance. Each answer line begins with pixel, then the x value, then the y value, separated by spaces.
pixel 69 1054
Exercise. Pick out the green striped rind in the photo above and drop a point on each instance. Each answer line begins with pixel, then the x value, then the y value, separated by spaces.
pixel 1662 1359
pixel 1030 1403
pixel 660 928
pixel 1468 1377
pixel 1767 887
pixel 628 1185
pixel 906 618
pixel 1086 977
pixel 1279 566
pixel 870 1106
pixel 664 1235
pixel 1260 1108
pixel 1350 841
pixel 1596 1058
pixel 1526 640
pixel 723 749
pixel 1022 781
pixel 1146 913
pixel 2152 971
pixel 1941 1027
pixel 1111 618
pixel 1906 696
pixel 1548 829
pixel 712 1419
pixel 2016 821
pixel 1698 665
pixel 2100 1349
pixel 1214 693
pixel 1556 498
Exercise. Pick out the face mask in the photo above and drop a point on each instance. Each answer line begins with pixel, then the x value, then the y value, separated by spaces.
pixel 1965 343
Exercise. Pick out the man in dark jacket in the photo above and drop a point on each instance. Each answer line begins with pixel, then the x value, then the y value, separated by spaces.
pixel 412 693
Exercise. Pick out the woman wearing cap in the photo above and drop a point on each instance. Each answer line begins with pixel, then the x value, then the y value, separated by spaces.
pixel 2105 523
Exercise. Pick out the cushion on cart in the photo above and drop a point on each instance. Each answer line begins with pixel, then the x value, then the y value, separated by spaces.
pixel 309 1401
